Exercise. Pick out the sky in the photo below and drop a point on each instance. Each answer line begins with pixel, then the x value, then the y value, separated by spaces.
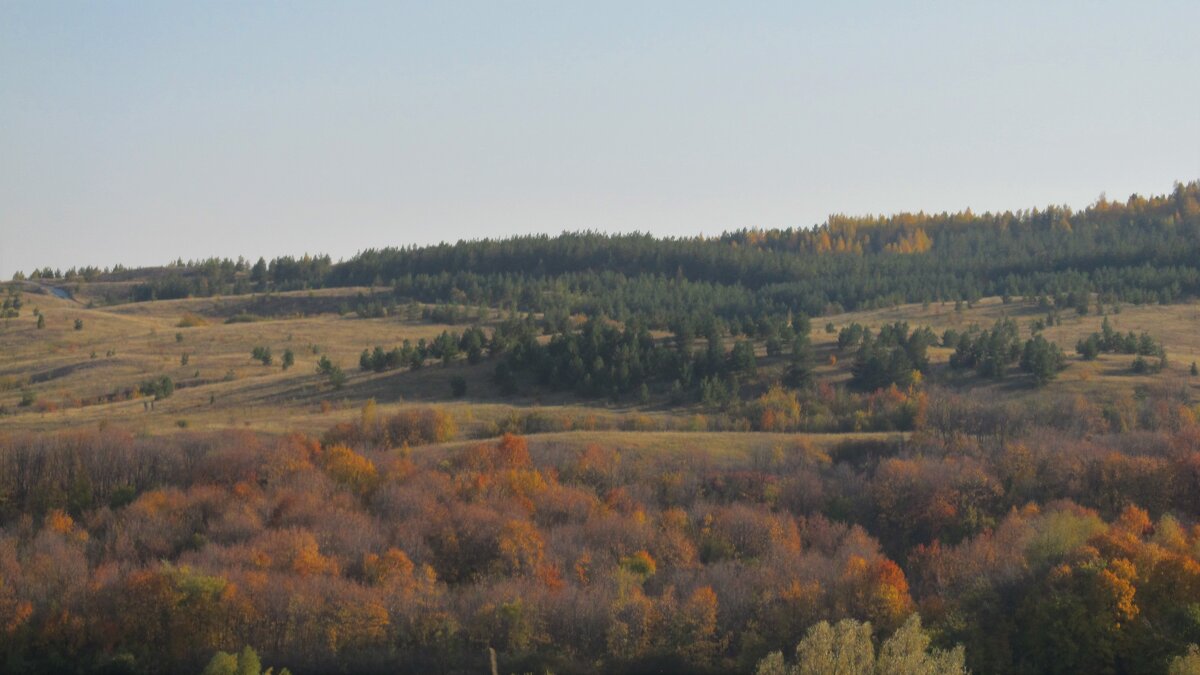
pixel 141 132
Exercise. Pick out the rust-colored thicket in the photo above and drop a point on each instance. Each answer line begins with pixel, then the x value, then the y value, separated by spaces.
pixel 407 428
pixel 1073 542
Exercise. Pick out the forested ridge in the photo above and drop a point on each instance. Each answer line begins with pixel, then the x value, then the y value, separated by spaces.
pixel 1137 250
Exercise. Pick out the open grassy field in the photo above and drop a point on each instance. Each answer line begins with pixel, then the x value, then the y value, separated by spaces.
pixel 84 377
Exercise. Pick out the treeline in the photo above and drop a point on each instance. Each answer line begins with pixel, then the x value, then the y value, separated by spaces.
pixel 1057 535
pixel 605 359
pixel 446 347
pixel 1143 250
pixel 215 276
pixel 1140 250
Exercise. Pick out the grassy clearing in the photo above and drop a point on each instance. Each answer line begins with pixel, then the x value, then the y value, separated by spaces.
pixel 220 385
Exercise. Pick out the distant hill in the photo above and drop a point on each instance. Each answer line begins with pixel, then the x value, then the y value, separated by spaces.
pixel 1139 250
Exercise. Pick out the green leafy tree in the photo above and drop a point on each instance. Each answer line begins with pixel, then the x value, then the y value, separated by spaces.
pixel 989 352
pixel 332 372
pixel 1186 664
pixel 1080 619
pixel 800 370
pixel 222 663
pixel 262 354
pixel 160 387
pixel 908 651
pixel 1042 359
pixel 472 343
pixel 1088 348
pixel 741 358
pixel 258 273
pixel 337 378
pixel 847 648
pixel 246 662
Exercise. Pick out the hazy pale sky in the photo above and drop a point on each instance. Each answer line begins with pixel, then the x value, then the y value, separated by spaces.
pixel 138 132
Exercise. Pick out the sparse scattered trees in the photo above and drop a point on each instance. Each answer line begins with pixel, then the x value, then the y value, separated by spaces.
pixel 262 354
pixel 11 307
pixel 159 387
pixel 332 372
pixel 1110 341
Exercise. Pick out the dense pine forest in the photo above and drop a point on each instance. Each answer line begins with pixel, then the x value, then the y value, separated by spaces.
pixel 907 444
pixel 1139 250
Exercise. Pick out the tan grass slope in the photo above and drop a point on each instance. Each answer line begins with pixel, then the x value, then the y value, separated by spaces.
pixel 85 377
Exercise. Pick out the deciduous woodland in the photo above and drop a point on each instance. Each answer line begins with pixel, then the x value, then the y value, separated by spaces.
pixel 919 443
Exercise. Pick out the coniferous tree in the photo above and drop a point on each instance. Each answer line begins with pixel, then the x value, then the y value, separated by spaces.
pixel 1042 359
